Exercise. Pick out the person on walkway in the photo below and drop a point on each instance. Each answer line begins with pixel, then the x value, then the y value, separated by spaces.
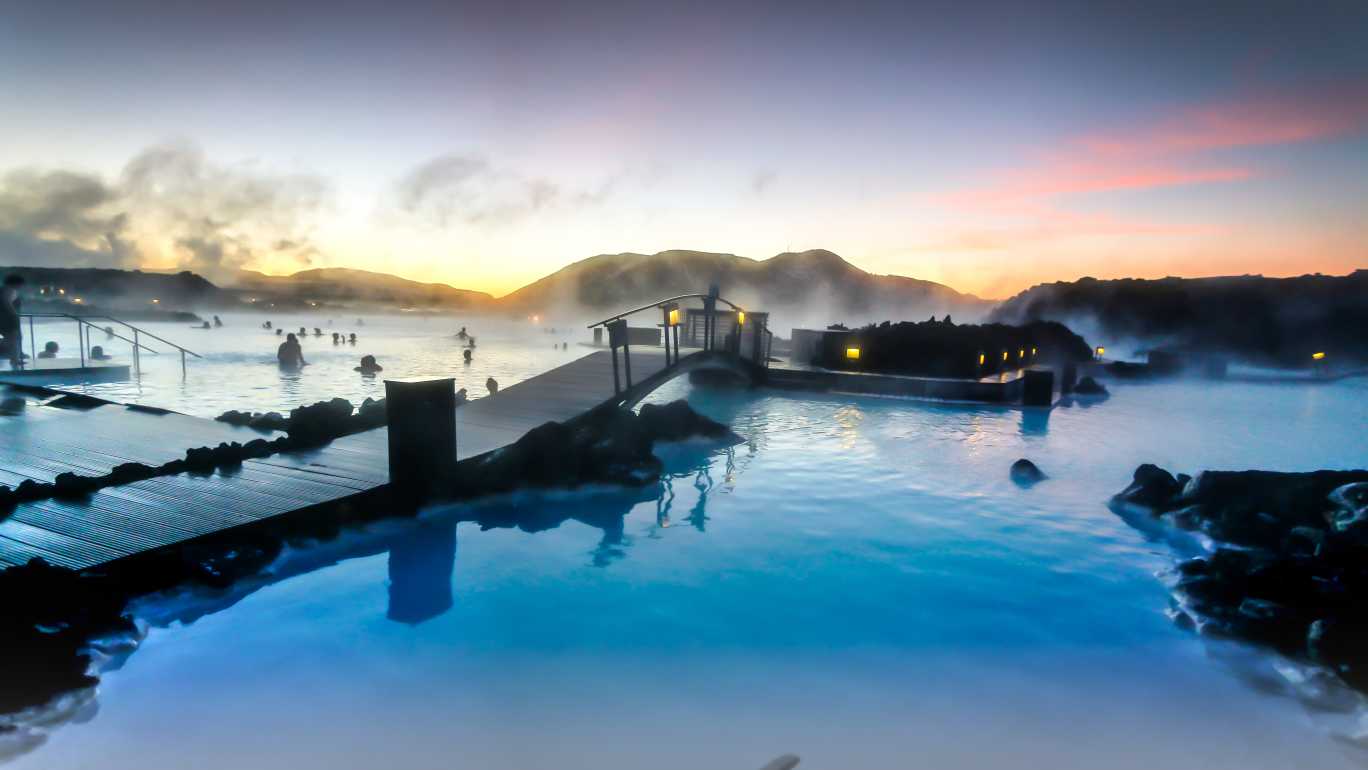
pixel 10 326
pixel 290 354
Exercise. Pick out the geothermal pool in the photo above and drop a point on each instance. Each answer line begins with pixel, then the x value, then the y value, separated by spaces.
pixel 859 584
pixel 238 369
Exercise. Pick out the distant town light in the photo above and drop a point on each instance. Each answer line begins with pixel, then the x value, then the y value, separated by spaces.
pixel 77 300
pixel 61 291
pixel 853 354
pixel 1317 356
pixel 156 301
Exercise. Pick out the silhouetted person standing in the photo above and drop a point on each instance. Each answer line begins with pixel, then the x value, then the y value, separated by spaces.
pixel 492 385
pixel 10 326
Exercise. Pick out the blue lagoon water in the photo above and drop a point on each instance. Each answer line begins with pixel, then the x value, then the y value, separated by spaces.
pixel 859 584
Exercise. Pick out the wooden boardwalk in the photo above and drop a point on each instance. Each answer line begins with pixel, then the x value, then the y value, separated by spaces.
pixel 123 521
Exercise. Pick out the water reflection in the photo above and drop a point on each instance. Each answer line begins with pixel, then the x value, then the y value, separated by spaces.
pixel 1035 421
pixel 421 562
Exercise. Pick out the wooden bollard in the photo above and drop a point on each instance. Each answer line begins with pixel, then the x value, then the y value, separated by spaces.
pixel 1038 388
pixel 422 434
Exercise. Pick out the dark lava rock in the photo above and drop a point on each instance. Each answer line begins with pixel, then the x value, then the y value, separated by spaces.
pixel 1089 387
pixel 69 485
pixel 51 615
pixel 605 446
pixel 321 422
pixel 1025 473
pixel 371 414
pixel 1291 567
pixel 1152 487
pixel 677 421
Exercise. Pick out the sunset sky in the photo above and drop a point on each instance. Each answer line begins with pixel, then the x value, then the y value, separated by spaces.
pixel 989 146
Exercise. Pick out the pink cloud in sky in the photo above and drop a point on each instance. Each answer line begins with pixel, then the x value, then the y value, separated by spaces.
pixel 1173 150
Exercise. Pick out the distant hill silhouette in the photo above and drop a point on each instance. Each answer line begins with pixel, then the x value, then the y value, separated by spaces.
pixel 130 289
pixel 338 285
pixel 1275 321
pixel 800 288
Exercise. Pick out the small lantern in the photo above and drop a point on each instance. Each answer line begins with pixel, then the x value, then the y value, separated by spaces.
pixel 1101 351
pixel 674 316
pixel 853 353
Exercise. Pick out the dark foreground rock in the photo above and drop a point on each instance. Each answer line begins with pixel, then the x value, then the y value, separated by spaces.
pixel 1025 473
pixel 51 617
pixel 1290 568
pixel 605 446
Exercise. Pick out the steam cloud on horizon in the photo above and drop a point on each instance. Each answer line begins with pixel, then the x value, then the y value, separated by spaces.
pixel 169 206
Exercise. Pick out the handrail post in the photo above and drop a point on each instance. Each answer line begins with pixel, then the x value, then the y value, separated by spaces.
pixel 183 375
pixel 137 355
pixel 33 344
pixel 80 340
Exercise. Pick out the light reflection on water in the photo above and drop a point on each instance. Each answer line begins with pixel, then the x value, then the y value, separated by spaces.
pixel 859 584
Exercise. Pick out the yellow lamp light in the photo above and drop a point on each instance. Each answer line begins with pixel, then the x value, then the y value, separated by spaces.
pixel 740 317
pixel 1101 351
pixel 1004 355
pixel 1033 352
pixel 982 358
pixel 1021 353
pixel 853 354
pixel 1317 356
pixel 674 317
pixel 77 300
pixel 156 301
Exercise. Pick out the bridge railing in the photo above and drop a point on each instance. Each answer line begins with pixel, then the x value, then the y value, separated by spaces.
pixel 86 322
pixel 616 326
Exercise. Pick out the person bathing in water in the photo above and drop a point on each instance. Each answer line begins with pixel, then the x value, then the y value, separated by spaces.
pixel 49 350
pixel 460 335
pixel 290 355
pixel 217 323
pixel 467 355
pixel 352 338
pixel 369 366
pixel 492 385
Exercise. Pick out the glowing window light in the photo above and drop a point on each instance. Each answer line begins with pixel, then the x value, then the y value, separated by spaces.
pixel 674 317
pixel 853 354
pixel 1317 356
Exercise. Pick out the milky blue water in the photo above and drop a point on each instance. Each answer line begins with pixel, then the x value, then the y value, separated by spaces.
pixel 859 584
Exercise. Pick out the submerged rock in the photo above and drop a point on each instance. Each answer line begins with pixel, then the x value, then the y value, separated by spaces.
pixel 1025 473
pixel 1089 387
pixel 677 421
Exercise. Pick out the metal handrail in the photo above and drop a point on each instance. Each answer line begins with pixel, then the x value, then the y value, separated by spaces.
pixel 658 303
pixel 82 321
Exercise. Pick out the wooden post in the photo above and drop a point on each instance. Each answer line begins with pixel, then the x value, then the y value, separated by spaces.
pixel 1038 388
pixel 617 338
pixel 422 434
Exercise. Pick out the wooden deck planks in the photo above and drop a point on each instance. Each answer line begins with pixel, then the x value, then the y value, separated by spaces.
pixel 123 521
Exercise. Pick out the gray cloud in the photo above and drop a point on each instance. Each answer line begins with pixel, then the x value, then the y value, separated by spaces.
pixel 469 189
pixel 169 204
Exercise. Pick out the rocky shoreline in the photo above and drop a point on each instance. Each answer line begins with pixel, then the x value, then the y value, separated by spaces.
pixel 1289 564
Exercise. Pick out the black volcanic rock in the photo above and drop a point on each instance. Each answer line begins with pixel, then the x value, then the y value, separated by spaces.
pixel 1270 321
pixel 1089 387
pixel 1025 473
pixel 1291 566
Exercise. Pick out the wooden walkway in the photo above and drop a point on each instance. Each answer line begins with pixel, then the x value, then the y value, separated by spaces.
pixel 119 522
